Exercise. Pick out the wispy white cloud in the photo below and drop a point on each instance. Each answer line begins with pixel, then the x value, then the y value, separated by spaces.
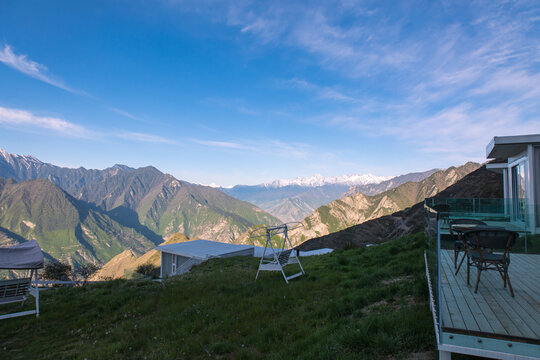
pixel 31 68
pixel 287 150
pixel 456 84
pixel 323 92
pixel 236 104
pixel 221 144
pixel 124 113
pixel 271 147
pixel 148 138
pixel 23 119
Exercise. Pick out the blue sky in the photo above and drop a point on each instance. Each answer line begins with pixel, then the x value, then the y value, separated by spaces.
pixel 245 92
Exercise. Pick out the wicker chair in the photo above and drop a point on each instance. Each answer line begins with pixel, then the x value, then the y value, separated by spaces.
pixel 458 241
pixel 480 247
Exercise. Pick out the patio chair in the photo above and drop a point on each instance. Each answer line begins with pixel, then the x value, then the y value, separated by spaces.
pixel 480 246
pixel 458 240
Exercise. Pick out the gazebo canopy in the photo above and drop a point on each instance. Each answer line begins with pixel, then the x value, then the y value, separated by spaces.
pixel 27 255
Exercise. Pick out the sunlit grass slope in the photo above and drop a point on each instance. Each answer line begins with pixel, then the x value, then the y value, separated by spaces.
pixel 357 303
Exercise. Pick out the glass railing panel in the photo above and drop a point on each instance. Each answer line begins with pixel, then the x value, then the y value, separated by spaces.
pixel 498 212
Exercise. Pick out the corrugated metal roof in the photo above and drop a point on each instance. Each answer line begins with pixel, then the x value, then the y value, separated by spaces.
pixel 202 249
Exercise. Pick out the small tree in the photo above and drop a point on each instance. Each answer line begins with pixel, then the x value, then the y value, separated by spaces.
pixel 85 271
pixel 148 270
pixel 57 271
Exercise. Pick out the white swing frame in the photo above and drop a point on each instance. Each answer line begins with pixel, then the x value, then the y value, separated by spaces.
pixel 10 294
pixel 286 254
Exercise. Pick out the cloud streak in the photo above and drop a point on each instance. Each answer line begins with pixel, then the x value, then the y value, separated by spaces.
pixel 219 144
pixel 31 68
pixel 271 147
pixel 23 120
pixel 141 137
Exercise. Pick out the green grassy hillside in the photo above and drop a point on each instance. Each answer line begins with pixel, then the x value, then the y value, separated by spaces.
pixel 360 303
pixel 65 227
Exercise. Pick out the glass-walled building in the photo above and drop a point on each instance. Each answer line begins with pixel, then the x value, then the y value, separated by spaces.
pixel 483 260
pixel 517 158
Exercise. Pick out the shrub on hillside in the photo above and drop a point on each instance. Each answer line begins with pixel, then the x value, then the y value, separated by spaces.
pixel 85 271
pixel 57 271
pixel 148 270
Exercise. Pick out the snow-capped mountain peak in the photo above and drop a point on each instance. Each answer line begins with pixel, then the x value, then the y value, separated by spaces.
pixel 319 180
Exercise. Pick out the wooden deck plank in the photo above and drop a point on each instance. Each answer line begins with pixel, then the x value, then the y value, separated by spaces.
pixel 492 309
pixel 527 316
pixel 491 322
pixel 531 259
pixel 445 313
pixel 525 273
pixel 512 306
pixel 491 289
pixel 456 318
pixel 473 319
pixel 495 306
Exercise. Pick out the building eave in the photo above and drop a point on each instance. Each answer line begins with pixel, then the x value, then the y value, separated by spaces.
pixel 509 146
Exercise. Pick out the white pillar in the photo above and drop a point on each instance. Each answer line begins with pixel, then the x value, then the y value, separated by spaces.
pixel 445 355
pixel 531 189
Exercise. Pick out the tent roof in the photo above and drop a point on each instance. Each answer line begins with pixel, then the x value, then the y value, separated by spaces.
pixel 26 255
pixel 202 249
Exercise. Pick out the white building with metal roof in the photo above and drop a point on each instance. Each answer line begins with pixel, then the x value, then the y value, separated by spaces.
pixel 181 257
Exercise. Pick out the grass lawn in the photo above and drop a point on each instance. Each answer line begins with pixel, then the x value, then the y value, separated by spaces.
pixel 366 303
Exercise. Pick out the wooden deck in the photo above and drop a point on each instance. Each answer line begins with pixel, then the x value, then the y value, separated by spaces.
pixel 492 312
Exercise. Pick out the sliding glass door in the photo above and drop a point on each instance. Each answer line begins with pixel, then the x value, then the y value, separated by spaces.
pixel 518 191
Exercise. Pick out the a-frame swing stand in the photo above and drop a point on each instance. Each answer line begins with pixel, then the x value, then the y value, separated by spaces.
pixel 280 257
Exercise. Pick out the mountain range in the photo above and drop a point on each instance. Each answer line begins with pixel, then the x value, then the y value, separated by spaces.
pixel 293 200
pixel 82 215
pixel 358 207
pixel 144 202
pixel 319 180
pixel 481 183
pixel 374 219
pixel 376 188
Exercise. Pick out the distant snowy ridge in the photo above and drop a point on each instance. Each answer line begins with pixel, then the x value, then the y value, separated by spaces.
pixel 319 180
pixel 26 160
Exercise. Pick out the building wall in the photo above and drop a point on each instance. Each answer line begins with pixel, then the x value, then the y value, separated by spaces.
pixel 166 264
pixel 167 261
